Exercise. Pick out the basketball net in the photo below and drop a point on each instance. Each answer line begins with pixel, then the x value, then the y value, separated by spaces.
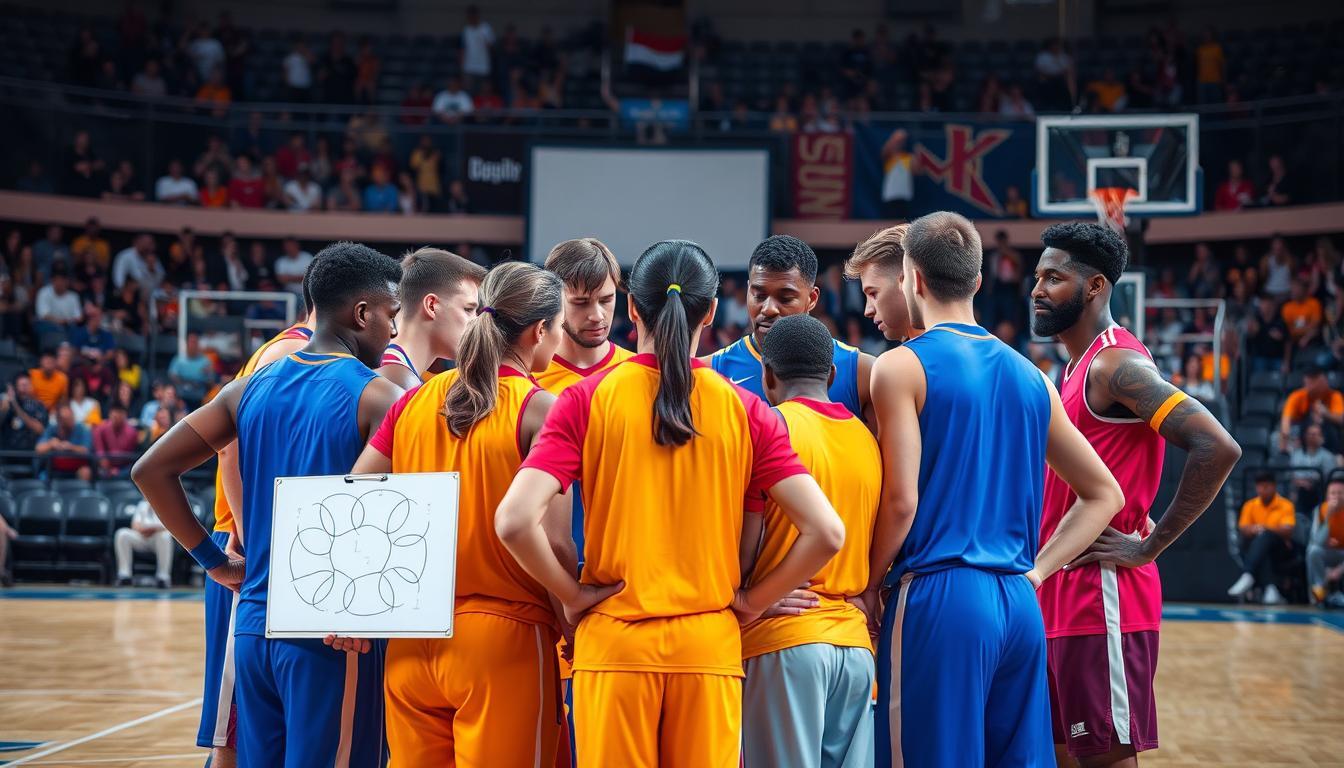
pixel 1110 203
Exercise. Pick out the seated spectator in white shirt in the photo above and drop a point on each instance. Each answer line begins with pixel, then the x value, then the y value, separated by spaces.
pixel 291 267
pixel 57 306
pixel 146 534
pixel 302 193
pixel 176 188
pixel 452 102
pixel 133 262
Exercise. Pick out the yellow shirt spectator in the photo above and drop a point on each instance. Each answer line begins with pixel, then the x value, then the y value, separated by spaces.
pixel 1107 93
pixel 49 388
pixel 1209 63
pixel 1300 316
pixel 102 254
pixel 1297 406
pixel 1336 523
pixel 1278 513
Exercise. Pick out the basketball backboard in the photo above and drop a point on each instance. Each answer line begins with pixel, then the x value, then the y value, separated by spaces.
pixel 1157 156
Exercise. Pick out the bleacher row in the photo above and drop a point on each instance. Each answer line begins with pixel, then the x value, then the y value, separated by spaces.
pixel 1266 62
pixel 65 527
pixel 36 45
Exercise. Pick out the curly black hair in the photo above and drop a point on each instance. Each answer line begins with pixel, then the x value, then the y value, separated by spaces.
pixel 344 271
pixel 798 347
pixel 780 253
pixel 1091 244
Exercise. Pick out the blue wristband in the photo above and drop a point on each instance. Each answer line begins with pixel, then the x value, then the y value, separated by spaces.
pixel 208 555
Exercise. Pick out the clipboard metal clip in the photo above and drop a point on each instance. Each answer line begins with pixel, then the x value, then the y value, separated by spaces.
pixel 365 478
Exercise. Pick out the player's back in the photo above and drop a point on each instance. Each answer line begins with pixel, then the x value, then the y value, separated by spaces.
pixel 740 362
pixel 489 580
pixel 984 426
pixel 298 416
pixel 666 520
pixel 1073 601
pixel 842 456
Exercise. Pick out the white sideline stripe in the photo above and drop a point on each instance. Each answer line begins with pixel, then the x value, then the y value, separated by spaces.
pixel 134 758
pixel 108 731
pixel 95 692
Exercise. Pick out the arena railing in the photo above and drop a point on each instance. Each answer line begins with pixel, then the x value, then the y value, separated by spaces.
pixel 1215 337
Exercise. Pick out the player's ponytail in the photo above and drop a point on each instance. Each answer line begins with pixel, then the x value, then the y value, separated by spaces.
pixel 673 286
pixel 514 295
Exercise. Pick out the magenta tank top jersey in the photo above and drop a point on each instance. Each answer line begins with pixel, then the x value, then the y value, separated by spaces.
pixel 1093 598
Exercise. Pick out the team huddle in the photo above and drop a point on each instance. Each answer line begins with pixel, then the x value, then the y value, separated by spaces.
pixel 787 553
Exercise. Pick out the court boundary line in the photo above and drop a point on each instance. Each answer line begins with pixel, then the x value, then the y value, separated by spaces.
pixel 149 693
pixel 140 758
pixel 106 732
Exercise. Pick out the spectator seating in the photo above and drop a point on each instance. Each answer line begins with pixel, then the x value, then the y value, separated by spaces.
pixel 40 520
pixel 86 540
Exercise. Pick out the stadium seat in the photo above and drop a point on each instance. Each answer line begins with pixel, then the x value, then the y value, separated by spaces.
pixel 1262 403
pixel 24 486
pixel 86 543
pixel 1267 381
pixel 40 518
pixel 111 486
pixel 1255 438
pixel 66 485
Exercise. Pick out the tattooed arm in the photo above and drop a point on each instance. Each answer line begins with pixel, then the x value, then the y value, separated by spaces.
pixel 1124 380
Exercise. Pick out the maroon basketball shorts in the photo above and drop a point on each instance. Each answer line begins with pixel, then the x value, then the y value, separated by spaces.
pixel 1101 691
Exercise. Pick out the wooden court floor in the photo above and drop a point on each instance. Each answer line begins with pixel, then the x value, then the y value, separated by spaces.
pixel 112 678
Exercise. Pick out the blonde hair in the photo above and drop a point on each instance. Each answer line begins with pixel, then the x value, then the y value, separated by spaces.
pixel 883 248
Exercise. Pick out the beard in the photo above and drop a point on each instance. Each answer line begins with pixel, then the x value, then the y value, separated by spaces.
pixel 580 340
pixel 1058 318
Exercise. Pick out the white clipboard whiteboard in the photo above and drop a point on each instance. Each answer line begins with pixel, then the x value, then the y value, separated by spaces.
pixel 363 556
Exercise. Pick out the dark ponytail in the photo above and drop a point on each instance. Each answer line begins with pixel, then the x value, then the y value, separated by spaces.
pixel 514 295
pixel 673 286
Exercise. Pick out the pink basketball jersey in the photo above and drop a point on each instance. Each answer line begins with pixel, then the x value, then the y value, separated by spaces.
pixel 1092 599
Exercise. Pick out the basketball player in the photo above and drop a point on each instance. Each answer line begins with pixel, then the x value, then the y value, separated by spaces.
pixel 807 697
pixel 489 695
pixel 1102 612
pixel 591 277
pixel 217 730
pixel 438 299
pixel 782 281
pixel 966 426
pixel 307 414
pixel 666 451
pixel 877 264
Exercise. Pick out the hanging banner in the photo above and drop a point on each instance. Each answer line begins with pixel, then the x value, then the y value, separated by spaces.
pixel 822 175
pixel 905 171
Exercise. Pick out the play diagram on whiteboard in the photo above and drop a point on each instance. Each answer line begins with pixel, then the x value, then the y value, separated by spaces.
pixel 363 556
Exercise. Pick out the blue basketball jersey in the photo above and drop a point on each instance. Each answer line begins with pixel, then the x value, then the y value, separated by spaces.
pixel 298 416
pixel 984 427
pixel 740 362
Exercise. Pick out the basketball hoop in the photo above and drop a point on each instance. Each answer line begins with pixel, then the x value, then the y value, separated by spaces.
pixel 1110 203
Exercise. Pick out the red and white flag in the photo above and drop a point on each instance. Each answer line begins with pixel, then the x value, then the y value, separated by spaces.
pixel 664 54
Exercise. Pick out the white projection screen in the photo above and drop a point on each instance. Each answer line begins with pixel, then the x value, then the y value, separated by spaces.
pixel 632 198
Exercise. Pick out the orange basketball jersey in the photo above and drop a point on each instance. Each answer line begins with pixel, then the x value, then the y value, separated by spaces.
pixel 561 373
pixel 224 515
pixel 840 452
pixel 415 435
pixel 666 520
